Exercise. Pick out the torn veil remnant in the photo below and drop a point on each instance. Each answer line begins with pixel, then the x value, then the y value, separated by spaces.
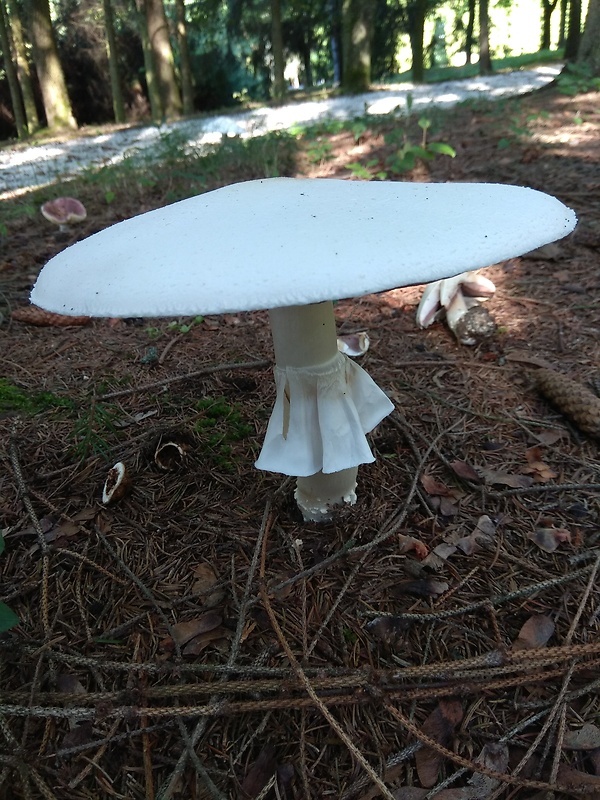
pixel 293 246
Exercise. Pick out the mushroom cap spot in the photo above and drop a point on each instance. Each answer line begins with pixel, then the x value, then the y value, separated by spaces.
pixel 64 210
pixel 286 241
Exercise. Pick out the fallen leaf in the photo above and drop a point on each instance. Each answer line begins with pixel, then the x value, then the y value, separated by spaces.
pixel 493 756
pixel 505 479
pixel 548 438
pixel 541 471
pixel 465 471
pixel 535 633
pixel 199 643
pixel 482 536
pixel 407 543
pixel 574 779
pixel 585 738
pixel 259 774
pixel 434 487
pixel 184 631
pixel 524 357
pixel 549 539
pixel 439 725
pixel 206 578
pixel 420 587
pixel 389 630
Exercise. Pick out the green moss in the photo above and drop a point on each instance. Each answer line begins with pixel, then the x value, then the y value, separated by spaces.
pixel 220 425
pixel 13 398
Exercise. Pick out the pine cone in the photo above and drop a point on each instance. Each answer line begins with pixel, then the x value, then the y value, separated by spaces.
pixel 33 315
pixel 576 402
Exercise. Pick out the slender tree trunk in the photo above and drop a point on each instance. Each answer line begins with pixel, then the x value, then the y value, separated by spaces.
pixel 113 62
pixel 23 68
pixel 562 29
pixel 11 76
pixel 57 105
pixel 335 34
pixel 469 38
pixel 548 7
pixel 574 31
pixel 589 47
pixel 485 61
pixel 356 44
pixel 158 34
pixel 149 69
pixel 279 89
pixel 416 22
pixel 306 50
pixel 185 66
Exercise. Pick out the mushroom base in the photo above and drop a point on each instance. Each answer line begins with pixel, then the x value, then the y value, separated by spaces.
pixel 318 494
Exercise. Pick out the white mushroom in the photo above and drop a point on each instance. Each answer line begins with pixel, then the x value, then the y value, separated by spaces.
pixel 456 297
pixel 294 246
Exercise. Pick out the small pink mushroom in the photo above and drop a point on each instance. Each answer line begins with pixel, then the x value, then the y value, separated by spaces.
pixel 64 211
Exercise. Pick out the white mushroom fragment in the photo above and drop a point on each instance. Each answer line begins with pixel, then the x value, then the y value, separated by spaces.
pixel 458 298
pixel 294 246
pixel 64 211
pixel 117 484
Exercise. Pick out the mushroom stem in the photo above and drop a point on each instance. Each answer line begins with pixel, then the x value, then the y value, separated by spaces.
pixel 325 404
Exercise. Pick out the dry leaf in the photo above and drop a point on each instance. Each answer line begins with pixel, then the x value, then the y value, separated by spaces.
pixel 549 539
pixel 184 631
pixel 206 578
pixel 420 587
pixel 540 471
pixel 574 779
pixel 259 774
pixel 524 357
pixel 585 738
pixel 504 479
pixel 199 643
pixel 434 487
pixel 494 756
pixel 465 471
pixel 389 630
pixel 548 438
pixel 535 633
pixel 439 725
pixel 407 543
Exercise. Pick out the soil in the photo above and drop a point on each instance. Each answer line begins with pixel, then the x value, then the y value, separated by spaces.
pixel 196 639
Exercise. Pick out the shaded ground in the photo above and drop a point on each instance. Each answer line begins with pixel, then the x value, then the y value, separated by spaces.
pixel 290 669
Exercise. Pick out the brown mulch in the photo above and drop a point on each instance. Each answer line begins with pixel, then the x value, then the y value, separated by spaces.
pixel 195 639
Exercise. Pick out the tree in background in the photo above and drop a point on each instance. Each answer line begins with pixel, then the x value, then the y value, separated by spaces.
pixel 53 85
pixel 185 66
pixel 573 30
pixel 113 62
pixel 279 88
pixel 357 19
pixel 15 28
pixel 548 7
pixel 588 54
pixel 485 60
pixel 12 76
pixel 162 57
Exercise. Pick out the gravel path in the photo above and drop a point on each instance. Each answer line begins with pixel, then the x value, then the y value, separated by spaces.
pixel 24 168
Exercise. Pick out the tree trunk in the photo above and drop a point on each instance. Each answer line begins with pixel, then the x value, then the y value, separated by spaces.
pixel 417 11
pixel 562 28
pixel 185 66
pixel 469 38
pixel 23 68
pixel 162 54
pixel 306 50
pixel 149 70
pixel 485 61
pixel 336 38
pixel 113 62
pixel 278 90
pixel 574 31
pixel 57 105
pixel 356 45
pixel 11 76
pixel 589 48
pixel 548 7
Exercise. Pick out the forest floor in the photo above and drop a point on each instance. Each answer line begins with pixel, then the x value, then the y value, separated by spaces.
pixel 195 639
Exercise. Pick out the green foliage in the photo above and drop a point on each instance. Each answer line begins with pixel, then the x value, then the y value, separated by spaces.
pixel 406 155
pixel 185 327
pixel 221 424
pixel 578 79
pixel 8 618
pixel 91 429
pixel 15 399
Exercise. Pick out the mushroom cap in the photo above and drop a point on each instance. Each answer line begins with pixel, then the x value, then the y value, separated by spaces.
pixel 286 241
pixel 64 210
